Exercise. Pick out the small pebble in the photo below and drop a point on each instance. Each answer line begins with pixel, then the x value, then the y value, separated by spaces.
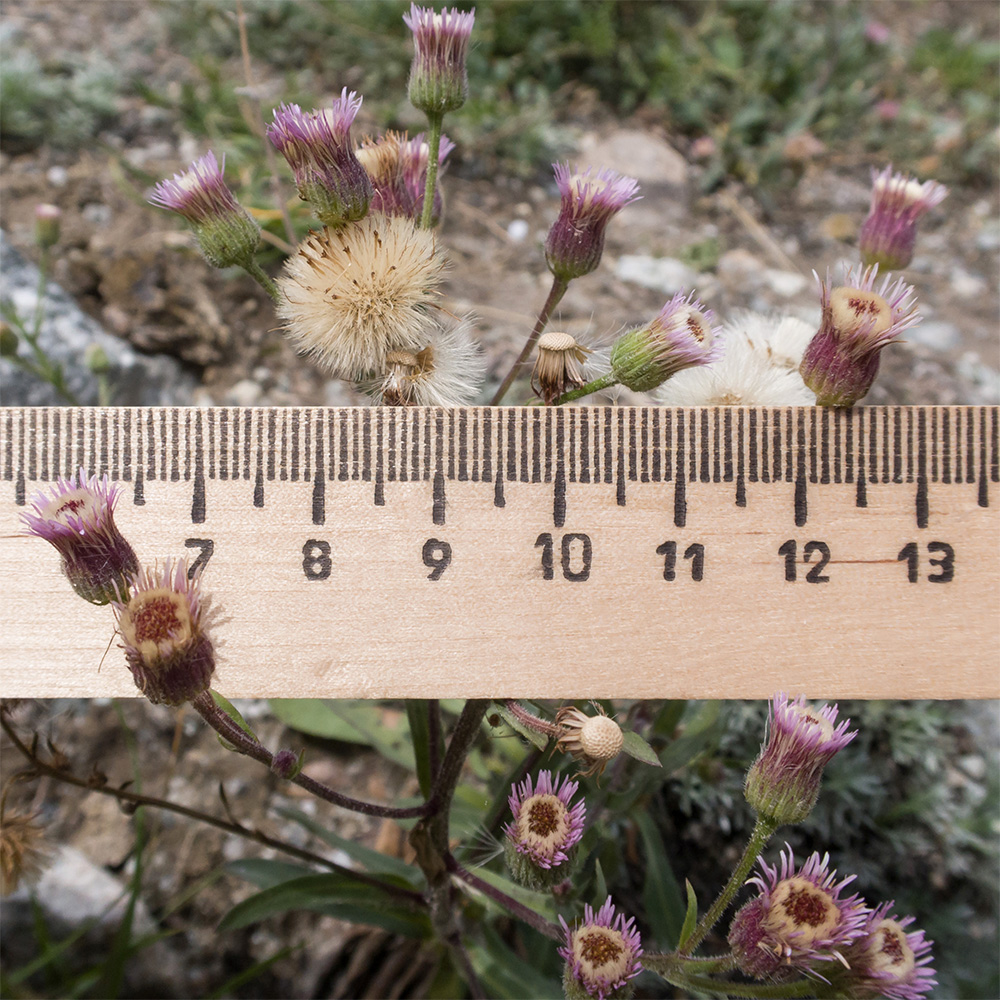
pixel 517 231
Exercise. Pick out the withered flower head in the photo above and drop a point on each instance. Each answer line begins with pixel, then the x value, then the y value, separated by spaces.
pixel 593 740
pixel 558 365
pixel 349 296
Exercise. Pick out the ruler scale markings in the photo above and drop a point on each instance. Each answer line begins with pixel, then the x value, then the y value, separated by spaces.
pixel 559 487
pixel 897 445
pixel 457 463
pixel 704 458
pixel 126 471
pixel 933 477
pixel 911 474
pixel 813 452
pixel 655 472
pixel 838 420
pixel 44 469
pixel 741 483
pixel 388 416
pixel 680 482
pixel 884 425
pixel 536 446
pixel 727 442
pixel 994 445
pixel 970 447
pixel 957 464
pixel 486 468
pixel 221 417
pixel 620 464
pixel 198 498
pixel 242 470
pixel 379 472
pixel 410 421
pixel 945 448
pixel 342 452
pixel 921 497
pixel 801 501
pixel 824 475
pixel 982 497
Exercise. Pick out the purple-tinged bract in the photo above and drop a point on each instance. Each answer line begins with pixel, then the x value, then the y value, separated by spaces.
pixel 682 335
pixel 800 921
pixel 858 322
pixel 890 231
pixel 544 831
pixel 438 80
pixel 317 146
pixel 226 233
pixel 783 782
pixel 602 954
pixel 78 519
pixel 163 628
pixel 589 200
pixel 887 960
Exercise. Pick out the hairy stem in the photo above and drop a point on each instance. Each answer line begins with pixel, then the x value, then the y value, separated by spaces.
pixel 758 838
pixel 434 123
pixel 250 746
pixel 604 382
pixel 257 273
pixel 137 799
pixel 507 902
pixel 556 292
pixel 532 721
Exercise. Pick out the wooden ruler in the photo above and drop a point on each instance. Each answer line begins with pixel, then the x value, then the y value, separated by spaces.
pixel 529 551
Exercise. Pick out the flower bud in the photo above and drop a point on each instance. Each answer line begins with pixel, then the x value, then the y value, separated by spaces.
pixel 593 740
pixel 783 782
pixel 167 650
pixel 225 232
pixel 540 842
pixel 575 242
pixel 317 146
pixel 287 764
pixel 681 336
pixel 438 80
pixel 78 519
pixel 602 955
pixel 799 922
pixel 858 321
pixel 897 204
pixel 47 226
pixel 397 167
pixel 557 366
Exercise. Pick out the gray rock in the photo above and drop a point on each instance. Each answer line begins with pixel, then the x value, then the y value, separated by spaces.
pixel 662 274
pixel 635 153
pixel 67 334
pixel 941 336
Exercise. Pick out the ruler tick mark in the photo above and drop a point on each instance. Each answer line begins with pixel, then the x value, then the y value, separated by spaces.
pixel 319 498
pixel 438 497
pixel 922 502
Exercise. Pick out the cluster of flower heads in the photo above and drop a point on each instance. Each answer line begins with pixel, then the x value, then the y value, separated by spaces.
pixel 160 611
pixel 803 921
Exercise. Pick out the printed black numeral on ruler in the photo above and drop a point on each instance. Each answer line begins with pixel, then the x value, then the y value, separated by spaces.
pixel 866 446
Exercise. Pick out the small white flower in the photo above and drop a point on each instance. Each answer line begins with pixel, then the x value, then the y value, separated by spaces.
pixel 742 377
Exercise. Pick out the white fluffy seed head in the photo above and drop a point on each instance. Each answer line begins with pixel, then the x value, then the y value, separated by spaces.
pixel 351 295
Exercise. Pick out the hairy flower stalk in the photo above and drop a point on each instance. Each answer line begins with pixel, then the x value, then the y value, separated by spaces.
pixel 225 232
pixel 317 146
pixel 897 205
pixel 78 519
pixel 602 955
pixel 783 782
pixel 887 960
pixel 858 322
pixel 352 295
pixel 438 79
pixel 540 841
pixel 165 641
pixel 799 922
pixel 575 243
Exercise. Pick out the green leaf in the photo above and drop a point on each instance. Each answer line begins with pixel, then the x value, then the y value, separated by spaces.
pixel 267 872
pixel 661 894
pixel 228 707
pixel 691 917
pixel 373 861
pixel 336 895
pixel 363 722
pixel 506 976
pixel 541 902
pixel 600 882
pixel 699 734
pixel 635 746
pixel 420 733
pixel 532 736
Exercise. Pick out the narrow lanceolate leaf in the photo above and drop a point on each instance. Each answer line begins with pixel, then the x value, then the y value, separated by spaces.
pixel 337 896
pixel 230 710
pixel 661 894
pixel 420 733
pixel 691 917
pixel 530 735
pixel 635 746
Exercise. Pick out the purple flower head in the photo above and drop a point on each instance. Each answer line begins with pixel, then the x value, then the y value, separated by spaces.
pixel 162 625
pixel 575 242
pixel 78 519
pixel 890 231
pixel 317 146
pixel 858 322
pixel 226 233
pixel 783 782
pixel 438 80
pixel 800 918
pixel 545 827
pixel 397 167
pixel 682 335
pixel 888 961
pixel 602 953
